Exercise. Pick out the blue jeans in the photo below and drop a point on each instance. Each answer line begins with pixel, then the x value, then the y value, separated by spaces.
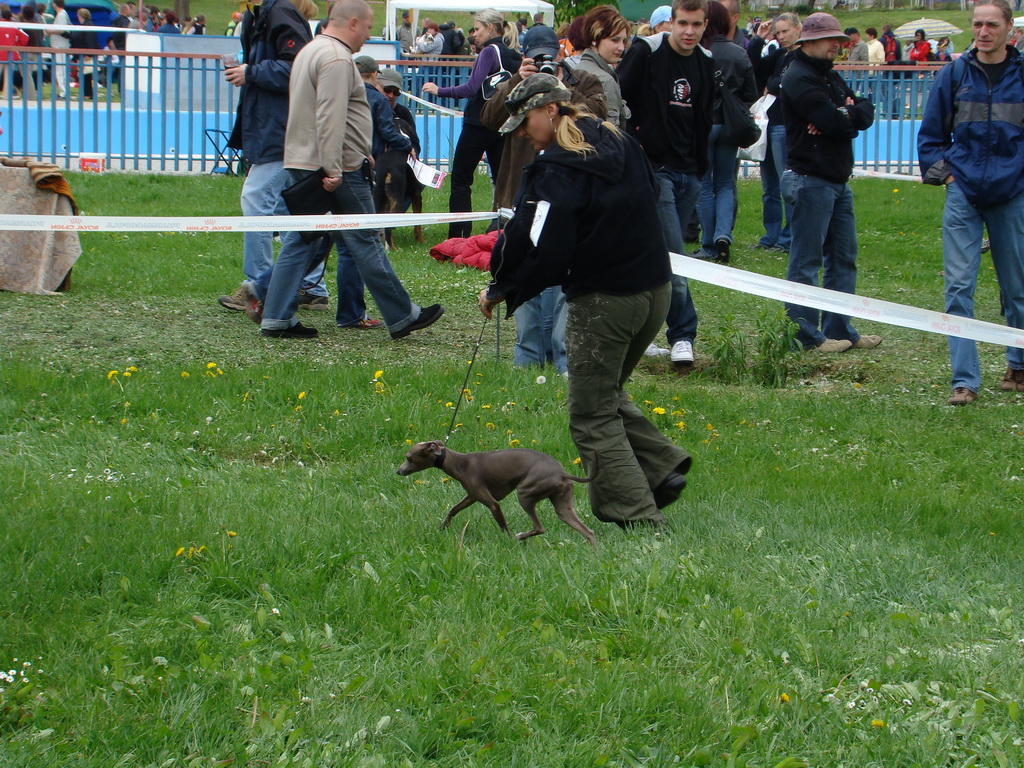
pixel 540 331
pixel 718 190
pixel 351 293
pixel 279 291
pixel 261 196
pixel 961 258
pixel 825 239
pixel 772 206
pixel 677 197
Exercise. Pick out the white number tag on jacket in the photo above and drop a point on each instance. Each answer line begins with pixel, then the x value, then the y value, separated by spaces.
pixel 539 217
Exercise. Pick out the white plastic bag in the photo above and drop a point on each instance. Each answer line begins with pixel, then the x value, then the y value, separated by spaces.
pixel 759 111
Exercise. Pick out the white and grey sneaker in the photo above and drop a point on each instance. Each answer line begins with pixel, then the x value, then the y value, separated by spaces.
pixel 682 352
pixel 653 350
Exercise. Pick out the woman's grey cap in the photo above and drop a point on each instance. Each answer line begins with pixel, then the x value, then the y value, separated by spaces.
pixel 535 91
pixel 819 26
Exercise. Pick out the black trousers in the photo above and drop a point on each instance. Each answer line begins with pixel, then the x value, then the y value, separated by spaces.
pixel 474 142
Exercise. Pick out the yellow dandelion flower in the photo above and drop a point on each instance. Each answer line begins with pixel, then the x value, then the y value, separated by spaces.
pixel 302 395
pixel 133 369
pixel 659 411
pixel 298 407
pixel 211 365
pixel 490 425
pixel 378 374
pixel 112 374
pixel 681 424
pixel 577 461
pixel 124 421
pixel 878 723
pixel 784 698
pixel 709 427
pixel 232 533
pixel 180 552
pixel 220 372
pixel 485 407
pixel 127 374
pixel 184 374
pixel 408 441
pixel 449 404
pixel 513 442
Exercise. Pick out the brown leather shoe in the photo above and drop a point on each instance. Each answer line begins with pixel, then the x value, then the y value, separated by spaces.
pixel 1013 381
pixel 962 396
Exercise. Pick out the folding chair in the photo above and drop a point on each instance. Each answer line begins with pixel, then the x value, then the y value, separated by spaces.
pixel 228 157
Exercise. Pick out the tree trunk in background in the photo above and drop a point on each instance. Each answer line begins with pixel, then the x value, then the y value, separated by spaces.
pixel 181 11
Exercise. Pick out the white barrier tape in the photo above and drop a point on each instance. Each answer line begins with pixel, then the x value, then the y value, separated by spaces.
pixel 883 175
pixel 846 303
pixel 328 223
pixel 706 272
pixel 432 105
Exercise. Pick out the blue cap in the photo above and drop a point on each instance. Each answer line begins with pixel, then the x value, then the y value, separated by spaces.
pixel 661 14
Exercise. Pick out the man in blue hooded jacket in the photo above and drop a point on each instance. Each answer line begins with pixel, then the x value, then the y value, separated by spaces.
pixel 972 141
pixel 272 35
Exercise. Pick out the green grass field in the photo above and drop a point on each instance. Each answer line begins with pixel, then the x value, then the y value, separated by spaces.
pixel 207 559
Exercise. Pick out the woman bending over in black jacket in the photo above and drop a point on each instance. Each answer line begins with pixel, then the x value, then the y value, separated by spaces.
pixel 586 219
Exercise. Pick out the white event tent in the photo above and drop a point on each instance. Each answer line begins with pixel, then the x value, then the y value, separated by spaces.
pixel 527 7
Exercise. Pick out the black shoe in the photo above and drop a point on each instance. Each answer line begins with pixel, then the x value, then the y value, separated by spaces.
pixel 669 489
pixel 722 250
pixel 309 301
pixel 428 316
pixel 297 331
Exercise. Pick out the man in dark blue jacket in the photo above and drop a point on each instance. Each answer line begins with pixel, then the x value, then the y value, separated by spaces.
pixel 272 34
pixel 822 118
pixel 972 141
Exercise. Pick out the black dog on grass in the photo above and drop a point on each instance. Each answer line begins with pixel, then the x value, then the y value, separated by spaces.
pixel 395 185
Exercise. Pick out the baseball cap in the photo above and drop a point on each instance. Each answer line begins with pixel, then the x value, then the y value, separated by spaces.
pixel 540 39
pixel 535 91
pixel 367 65
pixel 390 77
pixel 661 14
pixel 819 26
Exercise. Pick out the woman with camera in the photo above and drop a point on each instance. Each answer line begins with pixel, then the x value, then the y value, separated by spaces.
pixel 587 220
pixel 497 41
pixel 607 33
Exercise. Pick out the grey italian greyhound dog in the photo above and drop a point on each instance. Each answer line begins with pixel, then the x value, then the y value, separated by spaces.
pixel 490 476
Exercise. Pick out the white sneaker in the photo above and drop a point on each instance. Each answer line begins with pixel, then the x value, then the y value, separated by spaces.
pixel 682 352
pixel 653 350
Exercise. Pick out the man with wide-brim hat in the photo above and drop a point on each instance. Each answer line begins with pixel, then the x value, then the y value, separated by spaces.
pixel 822 117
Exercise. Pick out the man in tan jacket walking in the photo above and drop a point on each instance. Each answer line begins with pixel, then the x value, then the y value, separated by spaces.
pixel 330 128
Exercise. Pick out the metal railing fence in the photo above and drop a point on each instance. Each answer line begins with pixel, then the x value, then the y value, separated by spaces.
pixel 171 112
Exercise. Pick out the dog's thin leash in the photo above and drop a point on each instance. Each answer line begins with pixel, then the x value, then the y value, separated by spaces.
pixel 462 391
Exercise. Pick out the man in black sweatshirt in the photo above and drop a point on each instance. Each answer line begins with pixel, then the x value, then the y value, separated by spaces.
pixel 668 81
pixel 822 118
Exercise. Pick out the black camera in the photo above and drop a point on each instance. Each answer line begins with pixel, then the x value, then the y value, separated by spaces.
pixel 546 63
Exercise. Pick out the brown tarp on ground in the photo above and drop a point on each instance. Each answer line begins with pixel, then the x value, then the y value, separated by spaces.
pixel 35 262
